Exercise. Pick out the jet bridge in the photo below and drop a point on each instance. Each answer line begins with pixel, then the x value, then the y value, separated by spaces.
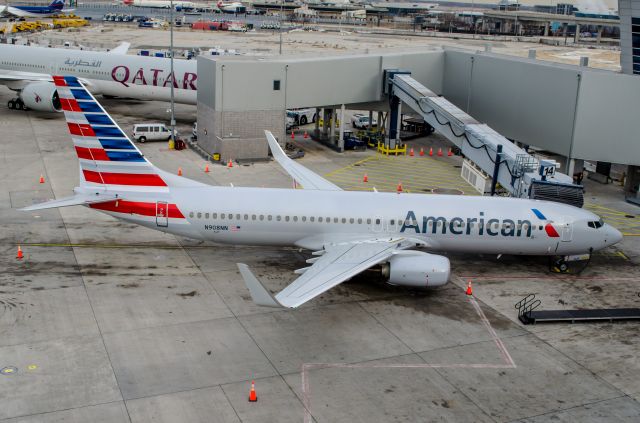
pixel 521 174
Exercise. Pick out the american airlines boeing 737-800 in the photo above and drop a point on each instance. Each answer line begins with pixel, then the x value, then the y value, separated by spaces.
pixel 348 232
pixel 27 70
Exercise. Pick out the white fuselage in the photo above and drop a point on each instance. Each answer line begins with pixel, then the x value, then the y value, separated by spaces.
pixel 139 77
pixel 161 4
pixel 311 218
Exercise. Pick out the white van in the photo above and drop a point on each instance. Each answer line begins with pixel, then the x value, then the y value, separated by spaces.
pixel 151 132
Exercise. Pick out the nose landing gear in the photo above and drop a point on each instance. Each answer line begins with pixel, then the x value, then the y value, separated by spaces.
pixel 570 264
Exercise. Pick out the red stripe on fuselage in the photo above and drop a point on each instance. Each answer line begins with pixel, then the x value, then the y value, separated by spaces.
pixel 136 207
pixel 551 231
pixel 139 179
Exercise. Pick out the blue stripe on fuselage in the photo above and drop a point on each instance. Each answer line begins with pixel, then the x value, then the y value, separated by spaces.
pixel 539 214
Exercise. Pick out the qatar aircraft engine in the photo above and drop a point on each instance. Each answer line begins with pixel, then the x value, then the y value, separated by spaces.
pixel 348 232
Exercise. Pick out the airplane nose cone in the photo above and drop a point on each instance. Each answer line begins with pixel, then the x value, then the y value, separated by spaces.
pixel 613 235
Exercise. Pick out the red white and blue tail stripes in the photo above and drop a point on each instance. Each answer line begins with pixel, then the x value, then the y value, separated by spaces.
pixel 107 156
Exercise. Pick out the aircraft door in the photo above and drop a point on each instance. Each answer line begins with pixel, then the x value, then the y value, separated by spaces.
pixel 567 230
pixel 162 214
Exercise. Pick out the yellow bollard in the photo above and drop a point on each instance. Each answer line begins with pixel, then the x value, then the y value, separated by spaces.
pixel 172 144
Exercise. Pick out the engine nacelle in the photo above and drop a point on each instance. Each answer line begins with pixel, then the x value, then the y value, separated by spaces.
pixel 41 96
pixel 418 269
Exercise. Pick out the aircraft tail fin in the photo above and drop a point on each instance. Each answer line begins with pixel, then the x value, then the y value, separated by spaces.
pixel 108 158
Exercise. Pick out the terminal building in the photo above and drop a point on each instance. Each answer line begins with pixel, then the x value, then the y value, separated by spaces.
pixel 576 112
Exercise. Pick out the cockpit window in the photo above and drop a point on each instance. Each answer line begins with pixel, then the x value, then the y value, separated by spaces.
pixel 596 224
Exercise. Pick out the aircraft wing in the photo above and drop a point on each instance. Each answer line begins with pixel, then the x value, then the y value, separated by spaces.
pixel 122 48
pixel 302 175
pixel 339 263
pixel 17 80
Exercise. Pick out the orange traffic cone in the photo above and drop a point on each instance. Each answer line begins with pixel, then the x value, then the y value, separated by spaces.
pixel 292 135
pixel 19 256
pixel 430 151
pixel 469 289
pixel 206 168
pixel 306 135
pixel 252 394
pixel 439 152
pixel 230 164
pixel 365 178
pixel 179 171
pixel 399 187
pixel 450 153
pixel 41 179
pixel 421 151
pixel 411 152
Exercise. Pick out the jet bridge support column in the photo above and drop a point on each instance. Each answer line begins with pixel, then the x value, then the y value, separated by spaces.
pixel 394 115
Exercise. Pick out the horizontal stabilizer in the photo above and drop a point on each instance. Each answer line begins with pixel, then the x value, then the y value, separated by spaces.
pixel 74 200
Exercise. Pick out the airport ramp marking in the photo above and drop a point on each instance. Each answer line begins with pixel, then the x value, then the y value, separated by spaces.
pixel 629 226
pixel 417 174
pixel 508 363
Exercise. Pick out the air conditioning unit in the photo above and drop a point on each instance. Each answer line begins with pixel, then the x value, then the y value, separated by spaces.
pixel 476 177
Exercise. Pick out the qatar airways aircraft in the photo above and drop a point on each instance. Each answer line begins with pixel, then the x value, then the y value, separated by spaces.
pixel 161 4
pixel 28 69
pixel 348 232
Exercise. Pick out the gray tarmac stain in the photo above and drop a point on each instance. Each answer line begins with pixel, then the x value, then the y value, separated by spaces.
pixel 187 294
pixel 595 288
pixel 129 285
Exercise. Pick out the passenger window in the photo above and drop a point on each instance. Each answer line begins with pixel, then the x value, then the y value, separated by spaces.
pixel 238 216
pixel 359 221
pixel 304 218
pixel 286 218
pixel 253 217
pixel 319 219
pixel 246 217
pixel 368 221
pixel 206 215
pixel 335 220
pixel 199 215
pixel 295 218
pixel 214 215
pixel 262 217
pixel 190 214
pixel 392 222
pixel 269 217
pixel 377 221
pixel 344 220
pixel 351 220
pixel 278 218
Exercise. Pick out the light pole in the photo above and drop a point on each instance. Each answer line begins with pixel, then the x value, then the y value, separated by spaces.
pixel 280 29
pixel 173 76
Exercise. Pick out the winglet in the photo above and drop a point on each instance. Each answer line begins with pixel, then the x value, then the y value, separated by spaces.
pixel 259 293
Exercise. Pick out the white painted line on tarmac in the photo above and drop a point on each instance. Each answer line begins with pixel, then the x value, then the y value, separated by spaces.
pixel 509 363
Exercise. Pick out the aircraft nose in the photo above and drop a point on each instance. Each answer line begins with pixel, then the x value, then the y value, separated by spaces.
pixel 613 235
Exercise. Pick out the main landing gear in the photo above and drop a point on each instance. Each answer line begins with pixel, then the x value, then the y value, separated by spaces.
pixel 16 104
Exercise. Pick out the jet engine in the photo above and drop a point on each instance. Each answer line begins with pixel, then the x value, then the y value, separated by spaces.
pixel 41 96
pixel 417 269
